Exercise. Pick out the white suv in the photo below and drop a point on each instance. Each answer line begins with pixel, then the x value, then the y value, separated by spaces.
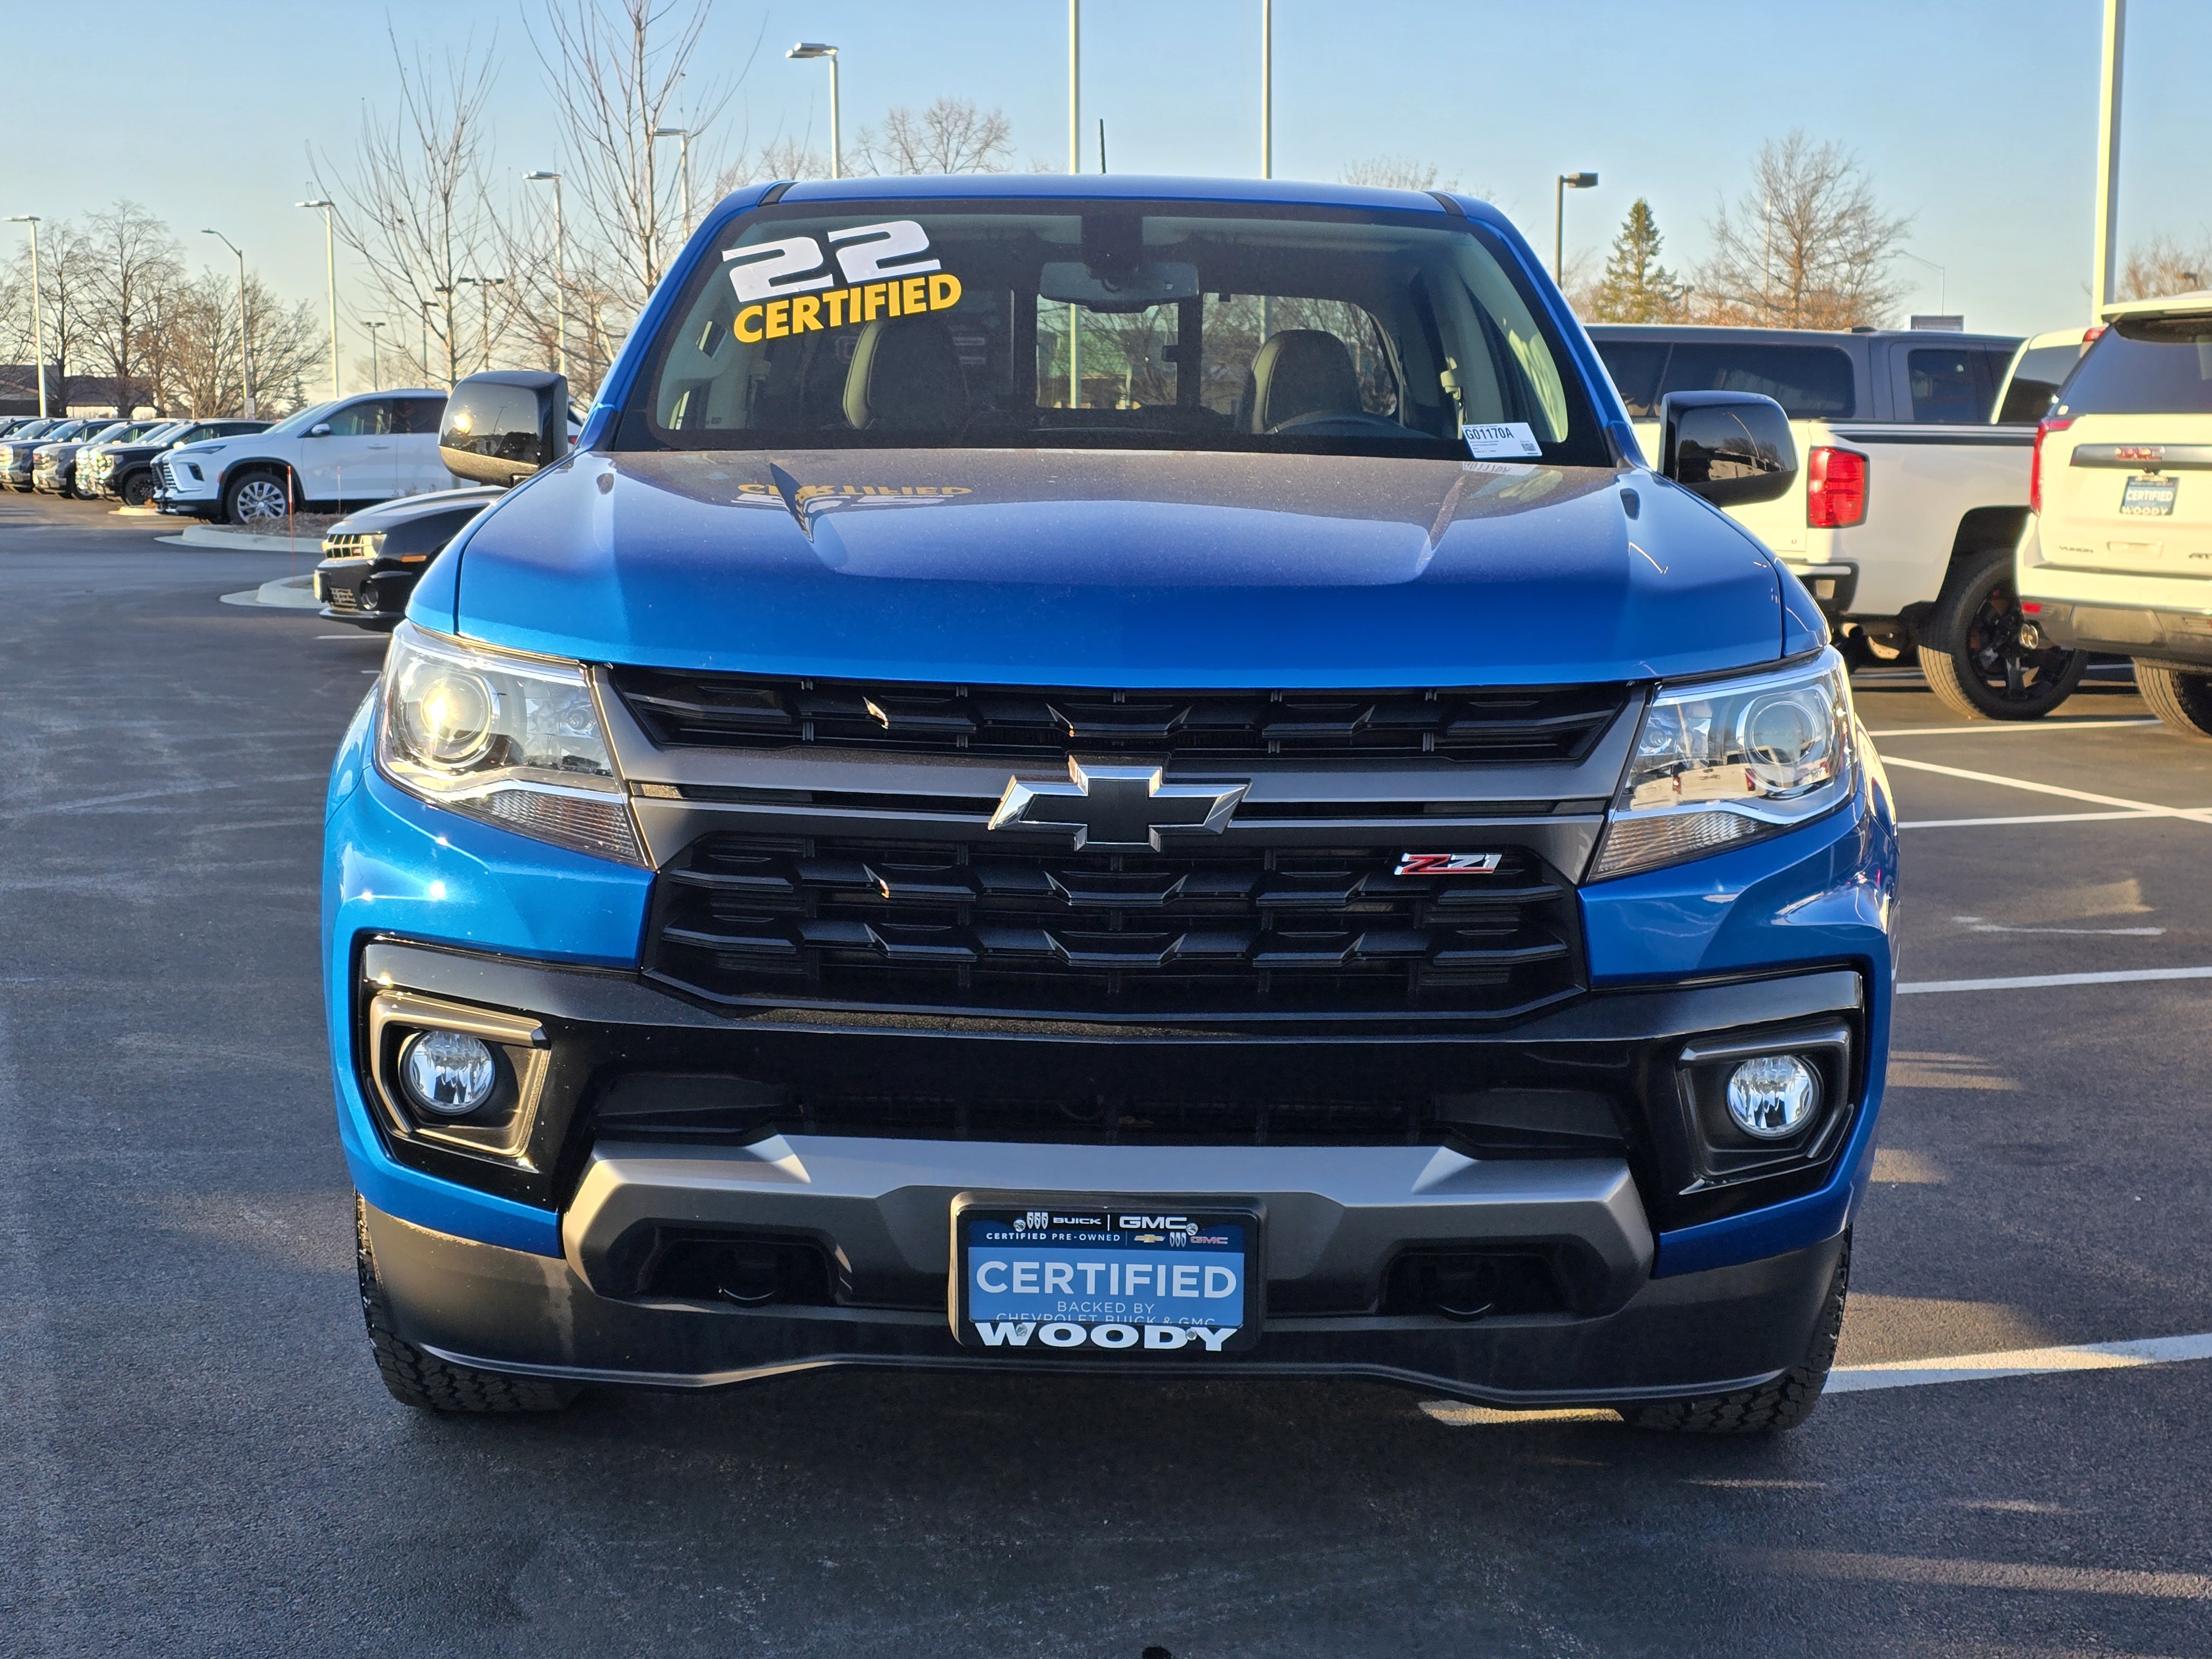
pixel 2118 553
pixel 329 458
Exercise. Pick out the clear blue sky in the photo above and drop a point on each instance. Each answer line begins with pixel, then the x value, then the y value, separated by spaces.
pixel 1977 117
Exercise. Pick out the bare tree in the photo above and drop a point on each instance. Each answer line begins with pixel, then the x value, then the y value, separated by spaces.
pixel 2165 265
pixel 67 267
pixel 951 136
pixel 1396 172
pixel 198 363
pixel 418 211
pixel 135 260
pixel 615 68
pixel 785 157
pixel 1806 246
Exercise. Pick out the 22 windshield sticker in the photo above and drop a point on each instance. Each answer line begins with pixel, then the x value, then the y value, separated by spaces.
pixel 784 288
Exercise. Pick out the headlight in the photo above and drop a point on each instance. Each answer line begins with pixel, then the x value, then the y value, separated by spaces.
pixel 1730 761
pixel 511 740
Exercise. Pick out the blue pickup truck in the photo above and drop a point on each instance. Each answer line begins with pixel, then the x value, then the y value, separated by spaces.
pixel 1111 775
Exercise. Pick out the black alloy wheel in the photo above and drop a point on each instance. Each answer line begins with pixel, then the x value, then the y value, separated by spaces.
pixel 1980 654
pixel 138 490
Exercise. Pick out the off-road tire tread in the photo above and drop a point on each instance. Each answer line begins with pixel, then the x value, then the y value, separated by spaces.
pixel 1940 668
pixel 1782 1404
pixel 425 1382
pixel 2179 697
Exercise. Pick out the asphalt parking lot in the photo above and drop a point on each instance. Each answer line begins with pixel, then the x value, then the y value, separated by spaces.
pixel 196 1455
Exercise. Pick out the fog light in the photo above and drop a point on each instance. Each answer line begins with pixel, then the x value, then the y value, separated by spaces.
pixel 1773 1096
pixel 450 1072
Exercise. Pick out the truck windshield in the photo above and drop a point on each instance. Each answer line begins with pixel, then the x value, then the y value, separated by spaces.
pixel 1116 325
pixel 2144 366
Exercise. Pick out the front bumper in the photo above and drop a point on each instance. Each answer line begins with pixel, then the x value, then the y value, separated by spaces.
pixel 367 593
pixel 508 1311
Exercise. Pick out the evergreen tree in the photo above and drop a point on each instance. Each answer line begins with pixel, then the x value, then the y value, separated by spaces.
pixel 1636 288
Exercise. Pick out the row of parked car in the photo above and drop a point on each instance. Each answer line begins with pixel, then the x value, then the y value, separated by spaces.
pixel 100 457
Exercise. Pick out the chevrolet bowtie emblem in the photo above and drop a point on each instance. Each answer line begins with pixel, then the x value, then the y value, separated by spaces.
pixel 1105 806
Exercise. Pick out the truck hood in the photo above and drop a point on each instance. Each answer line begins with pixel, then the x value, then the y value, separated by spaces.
pixel 1148 569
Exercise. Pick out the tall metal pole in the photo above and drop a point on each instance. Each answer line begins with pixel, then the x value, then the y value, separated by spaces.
pixel 1074 165
pixel 837 142
pixel 244 323
pixel 37 315
pixel 330 270
pixel 2104 277
pixel 1266 88
pixel 426 339
pixel 560 271
pixel 1559 229
pixel 375 380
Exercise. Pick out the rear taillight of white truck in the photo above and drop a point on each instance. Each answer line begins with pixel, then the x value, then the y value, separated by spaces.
pixel 1836 488
pixel 2044 429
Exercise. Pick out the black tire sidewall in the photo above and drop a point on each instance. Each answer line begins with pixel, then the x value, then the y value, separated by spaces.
pixel 1961 598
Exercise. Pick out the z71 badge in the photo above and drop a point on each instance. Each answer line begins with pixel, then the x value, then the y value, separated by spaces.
pixel 1448 864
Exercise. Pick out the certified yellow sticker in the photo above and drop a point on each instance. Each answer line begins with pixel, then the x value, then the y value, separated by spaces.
pixel 784 288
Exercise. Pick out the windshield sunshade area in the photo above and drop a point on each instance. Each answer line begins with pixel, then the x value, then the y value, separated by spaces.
pixel 1117 325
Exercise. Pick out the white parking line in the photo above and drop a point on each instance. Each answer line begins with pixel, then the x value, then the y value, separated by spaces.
pixel 2194 814
pixel 2009 726
pixel 1900 1374
pixel 2043 981
pixel 2031 818
pixel 2021 1362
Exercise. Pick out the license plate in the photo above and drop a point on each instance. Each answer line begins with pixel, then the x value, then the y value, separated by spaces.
pixel 2148 497
pixel 1096 1277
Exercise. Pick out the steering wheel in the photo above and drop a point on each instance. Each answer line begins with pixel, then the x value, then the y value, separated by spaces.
pixel 1341 423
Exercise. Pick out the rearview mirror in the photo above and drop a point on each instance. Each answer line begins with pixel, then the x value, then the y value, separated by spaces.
pixel 1732 448
pixel 503 426
pixel 1155 283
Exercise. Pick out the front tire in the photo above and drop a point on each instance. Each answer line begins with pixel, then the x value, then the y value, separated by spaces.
pixel 138 490
pixel 422 1380
pixel 1972 654
pixel 2181 698
pixel 1782 1404
pixel 255 498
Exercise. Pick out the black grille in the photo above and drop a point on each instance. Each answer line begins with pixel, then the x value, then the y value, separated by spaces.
pixel 1224 930
pixel 1516 724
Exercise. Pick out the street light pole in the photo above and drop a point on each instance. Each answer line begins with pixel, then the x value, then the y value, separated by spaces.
pixel 375 380
pixel 817 49
pixel 1567 181
pixel 245 331
pixel 330 270
pixel 683 137
pixel 560 272
pixel 1266 88
pixel 1074 165
pixel 38 316
pixel 2104 277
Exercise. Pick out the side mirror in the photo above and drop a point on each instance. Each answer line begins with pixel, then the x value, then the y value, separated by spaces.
pixel 320 429
pixel 504 425
pixel 1731 447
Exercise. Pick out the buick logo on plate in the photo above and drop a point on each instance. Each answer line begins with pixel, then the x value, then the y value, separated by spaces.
pixel 1448 864
pixel 1104 806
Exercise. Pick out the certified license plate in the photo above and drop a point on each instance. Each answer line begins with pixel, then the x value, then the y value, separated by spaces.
pixel 1095 1277
pixel 2147 497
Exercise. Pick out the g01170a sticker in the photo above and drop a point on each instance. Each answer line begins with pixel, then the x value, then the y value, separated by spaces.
pixel 783 288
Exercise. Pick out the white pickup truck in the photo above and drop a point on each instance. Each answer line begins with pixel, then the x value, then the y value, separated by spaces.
pixel 1910 502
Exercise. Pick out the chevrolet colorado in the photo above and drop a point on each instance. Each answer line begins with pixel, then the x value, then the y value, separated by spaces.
pixel 1111 774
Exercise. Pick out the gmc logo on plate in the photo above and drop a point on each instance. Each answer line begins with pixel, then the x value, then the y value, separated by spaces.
pixel 1448 864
